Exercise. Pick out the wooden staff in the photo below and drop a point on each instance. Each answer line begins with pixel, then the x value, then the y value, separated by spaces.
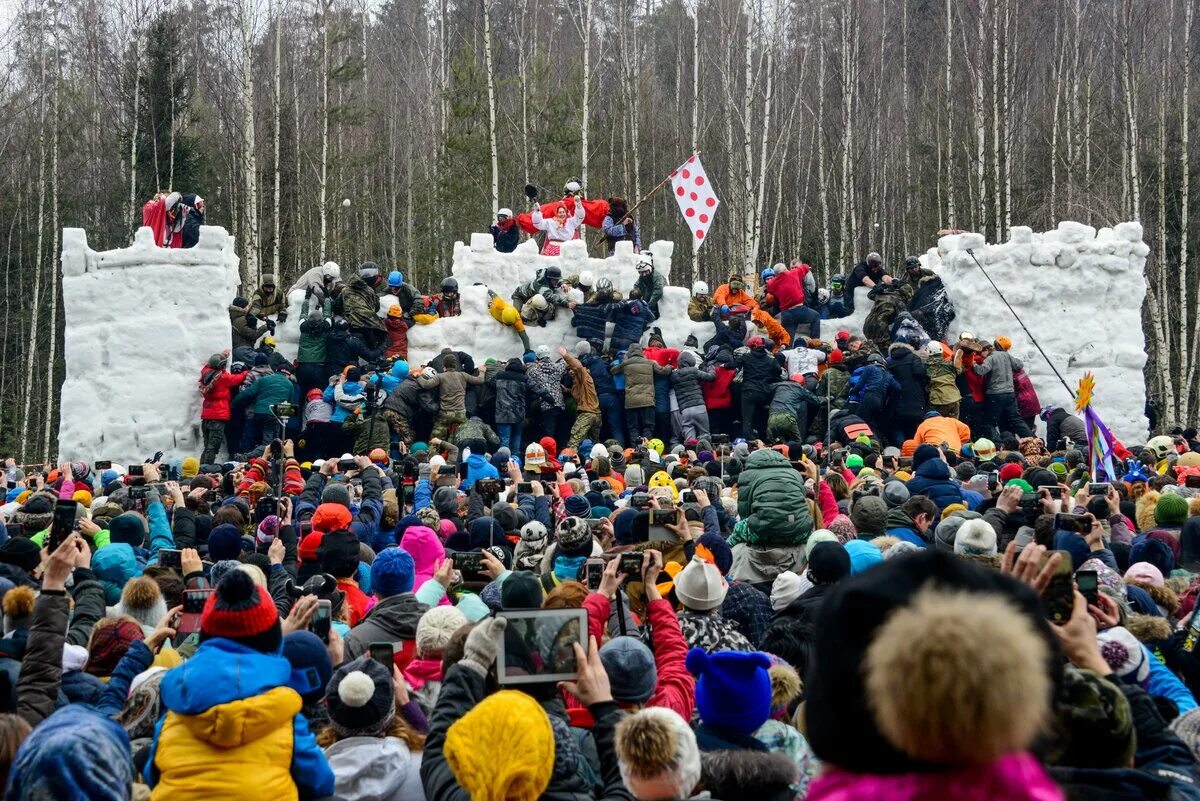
pixel 647 196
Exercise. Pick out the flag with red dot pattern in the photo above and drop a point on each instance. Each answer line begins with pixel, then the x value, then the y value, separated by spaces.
pixel 697 200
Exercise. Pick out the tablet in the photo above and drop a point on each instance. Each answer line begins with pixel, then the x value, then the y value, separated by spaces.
pixel 538 646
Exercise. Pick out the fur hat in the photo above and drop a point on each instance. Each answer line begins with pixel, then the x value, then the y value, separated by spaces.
pixel 435 628
pixel 18 608
pixel 975 537
pixel 656 743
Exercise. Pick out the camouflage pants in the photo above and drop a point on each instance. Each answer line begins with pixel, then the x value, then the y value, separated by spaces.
pixel 444 422
pixel 587 426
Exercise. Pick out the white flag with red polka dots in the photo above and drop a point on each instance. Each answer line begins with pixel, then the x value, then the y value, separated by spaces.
pixel 696 198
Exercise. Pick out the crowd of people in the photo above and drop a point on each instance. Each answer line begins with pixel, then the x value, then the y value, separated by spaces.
pixel 759 566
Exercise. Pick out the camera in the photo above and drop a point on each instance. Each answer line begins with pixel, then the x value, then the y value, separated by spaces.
pixel 284 409
pixel 489 486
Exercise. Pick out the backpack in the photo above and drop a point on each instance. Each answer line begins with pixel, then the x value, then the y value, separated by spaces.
pixel 208 382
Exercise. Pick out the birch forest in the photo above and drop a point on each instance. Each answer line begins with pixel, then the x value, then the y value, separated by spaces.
pixel 828 128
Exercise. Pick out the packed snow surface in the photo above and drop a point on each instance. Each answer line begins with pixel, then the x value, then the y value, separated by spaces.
pixel 140 321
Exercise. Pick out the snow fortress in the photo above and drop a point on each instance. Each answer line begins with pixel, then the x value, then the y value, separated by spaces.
pixel 140 323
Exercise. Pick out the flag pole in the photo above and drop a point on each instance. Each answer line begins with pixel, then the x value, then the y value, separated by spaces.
pixel 644 198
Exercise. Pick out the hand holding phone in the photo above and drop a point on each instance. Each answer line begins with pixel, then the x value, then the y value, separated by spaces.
pixel 322 620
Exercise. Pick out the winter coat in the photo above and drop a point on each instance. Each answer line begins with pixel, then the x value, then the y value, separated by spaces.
pixel 932 479
pixel 215 405
pixel 452 389
pixel 700 308
pixel 651 287
pixel 900 525
pixel 393 619
pixel 406 296
pixel 726 296
pixel 409 399
pixel 233 730
pixel 639 375
pixel 505 240
pixel 872 381
pixel 772 502
pixel 313 334
pixel 512 387
pixel 615 232
pixel 426 550
pixel 590 320
pixel 397 338
pixel 718 392
pixel 943 387
pixel 264 305
pixel 370 432
pixel 343 348
pixel 711 632
pixel 476 429
pixel 789 287
pixel 802 359
pixel 687 381
pixel 360 305
pixel 545 376
pixel 601 378
pixel 375 769
pixel 936 430
pixel 243 332
pixel 775 330
pixel 760 371
pixel 909 372
pixel 267 391
pixel 1015 777
pixel 1028 404
pixel 1064 424
pixel 998 369
pixel 630 320
pixel 791 398
pixel 666 357
pixel 583 388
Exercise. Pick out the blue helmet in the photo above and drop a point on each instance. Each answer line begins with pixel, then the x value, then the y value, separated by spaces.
pixel 768 273
pixel 400 369
pixel 395 278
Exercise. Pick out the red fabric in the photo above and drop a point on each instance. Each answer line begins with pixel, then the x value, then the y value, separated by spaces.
pixel 358 601
pixel 331 517
pixel 1028 404
pixel 215 405
pixel 220 622
pixel 404 655
pixel 667 357
pixel 397 335
pixel 827 503
pixel 788 287
pixel 975 382
pixel 594 213
pixel 310 545
pixel 154 217
pixel 419 672
pixel 716 392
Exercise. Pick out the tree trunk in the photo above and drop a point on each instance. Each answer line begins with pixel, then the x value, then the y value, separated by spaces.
pixel 491 92
pixel 250 157
pixel 323 183
pixel 277 107
pixel 28 441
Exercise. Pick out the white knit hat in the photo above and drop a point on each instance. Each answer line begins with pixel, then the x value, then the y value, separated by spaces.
pixel 700 585
pixel 975 537
pixel 788 587
pixel 436 627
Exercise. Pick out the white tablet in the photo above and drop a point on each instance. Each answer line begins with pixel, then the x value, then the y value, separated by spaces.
pixel 538 646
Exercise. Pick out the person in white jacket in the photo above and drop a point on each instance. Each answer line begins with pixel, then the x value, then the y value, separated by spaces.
pixel 563 228
pixel 804 360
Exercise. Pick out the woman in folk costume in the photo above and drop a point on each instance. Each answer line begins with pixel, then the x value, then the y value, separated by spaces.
pixel 562 228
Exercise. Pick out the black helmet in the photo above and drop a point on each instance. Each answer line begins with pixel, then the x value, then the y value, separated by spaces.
pixel 340 324
pixel 911 262
pixel 553 273
pixel 449 284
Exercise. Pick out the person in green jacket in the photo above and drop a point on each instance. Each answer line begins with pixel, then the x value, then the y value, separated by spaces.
pixel 772 503
pixel 277 387
pixel 310 356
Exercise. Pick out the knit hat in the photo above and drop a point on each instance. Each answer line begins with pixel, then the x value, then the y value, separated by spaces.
pixel 733 689
pixel 1171 510
pixel 361 699
pixel 392 572
pixel 435 628
pixel 853 461
pixel 577 506
pixel 1145 572
pixel 521 590
pixel 75 753
pixel 700 586
pixel 224 542
pixel 786 588
pixel 242 611
pixel 129 529
pixel 21 552
pixel 1009 472
pixel 863 555
pixel 947 530
pixel 895 494
pixel 869 515
pixel 631 670
pixel 190 467
pixel 574 537
pixel 503 749
pixel 336 492
pixel 535 455
pixel 985 449
pixel 828 563
pixel 309 657
pixel 142 600
pixel 110 642
pixel 1124 654
pixel 975 537
pixel 339 553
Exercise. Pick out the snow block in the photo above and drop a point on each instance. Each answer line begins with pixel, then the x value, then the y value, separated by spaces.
pixel 140 323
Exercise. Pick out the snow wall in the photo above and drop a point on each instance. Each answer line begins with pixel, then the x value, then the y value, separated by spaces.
pixel 142 320
pixel 140 323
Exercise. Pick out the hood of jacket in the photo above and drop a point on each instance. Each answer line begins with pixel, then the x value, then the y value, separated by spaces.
pixel 935 469
pixel 231 694
pixel 398 615
pixel 901 351
pixel 633 350
pixel 766 458
pixel 425 548
pixel 374 767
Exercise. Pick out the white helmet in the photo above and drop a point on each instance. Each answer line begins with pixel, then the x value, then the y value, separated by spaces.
pixel 572 186
pixel 699 288
pixel 645 261
pixel 539 302
pixel 587 279
pixel 331 270
pixel 428 372
pixel 504 213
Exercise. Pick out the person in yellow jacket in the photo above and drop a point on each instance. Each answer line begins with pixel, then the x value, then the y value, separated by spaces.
pixel 506 314
pixel 233 728
pixel 775 329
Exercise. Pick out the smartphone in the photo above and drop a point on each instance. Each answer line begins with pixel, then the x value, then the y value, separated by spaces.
pixel 593 572
pixel 687 496
pixel 1193 634
pixel 346 465
pixel 631 564
pixel 1192 481
pixel 193 606
pixel 524 487
pixel 1059 596
pixel 1088 582
pixel 1054 492
pixel 469 564
pixel 906 461
pixel 102 464
pixel 461 469
pixel 489 486
pixel 321 619
pixel 384 653
pixel 1101 487
pixel 1081 524
pixel 136 470
pixel 993 479
pixel 664 517
pixel 137 494
pixel 538 646
pixel 63 524
pixel 266 506
pixel 447 470
pixel 170 557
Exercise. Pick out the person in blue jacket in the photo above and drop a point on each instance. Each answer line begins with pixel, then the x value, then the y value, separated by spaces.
pixel 931 478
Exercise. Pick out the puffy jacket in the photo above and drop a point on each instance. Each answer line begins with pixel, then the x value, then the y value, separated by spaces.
pixel 243 333
pixel 936 430
pixel 397 338
pixel 512 387
pixel 394 619
pixel 215 405
pixel 590 320
pixel 909 372
pixel 313 333
pixel 788 287
pixel 478 467
pixel 583 388
pixel 943 384
pixel 426 550
pixel 803 359
pixel 700 308
pixel 545 376
pixel 717 393
pixel 233 730
pixel 630 318
pixel 997 370
pixel 667 357
pixel 871 379
pixel 686 381
pixel 726 296
pixel 652 288
pixel 476 429
pixel 1064 424
pixel 601 377
pixel 360 305
pixel 932 479
pixel 452 388
pixel 771 502
pixel 792 398
pixel 269 390
pixel 775 330
pixel 760 371
pixel 375 769
pixel 1028 404
pixel 639 375
pixel 343 348
pixel 345 399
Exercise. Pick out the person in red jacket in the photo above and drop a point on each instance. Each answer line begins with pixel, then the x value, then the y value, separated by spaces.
pixel 641 676
pixel 216 386
pixel 397 334
pixel 790 287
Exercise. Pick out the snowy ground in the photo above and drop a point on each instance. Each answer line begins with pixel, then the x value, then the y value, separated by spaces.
pixel 142 320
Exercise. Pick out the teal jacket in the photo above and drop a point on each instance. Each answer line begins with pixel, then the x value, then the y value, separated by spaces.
pixel 772 502
pixel 268 390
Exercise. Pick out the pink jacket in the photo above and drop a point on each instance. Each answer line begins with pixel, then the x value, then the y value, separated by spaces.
pixel 1016 777
pixel 1028 404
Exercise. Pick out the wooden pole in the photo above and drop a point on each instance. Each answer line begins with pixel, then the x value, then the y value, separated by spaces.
pixel 644 198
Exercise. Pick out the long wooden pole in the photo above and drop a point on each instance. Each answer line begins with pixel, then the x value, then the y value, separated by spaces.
pixel 646 197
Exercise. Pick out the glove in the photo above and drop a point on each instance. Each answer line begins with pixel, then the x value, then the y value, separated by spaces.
pixel 270 324
pixel 479 651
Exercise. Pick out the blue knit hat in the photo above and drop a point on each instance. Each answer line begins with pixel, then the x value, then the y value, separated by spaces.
pixel 224 542
pixel 311 666
pixel 631 671
pixel 75 753
pixel 577 506
pixel 733 689
pixel 128 529
pixel 924 453
pixel 392 572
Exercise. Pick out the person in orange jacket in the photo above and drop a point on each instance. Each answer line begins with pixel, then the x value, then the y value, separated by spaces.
pixel 935 430
pixel 775 329
pixel 734 293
